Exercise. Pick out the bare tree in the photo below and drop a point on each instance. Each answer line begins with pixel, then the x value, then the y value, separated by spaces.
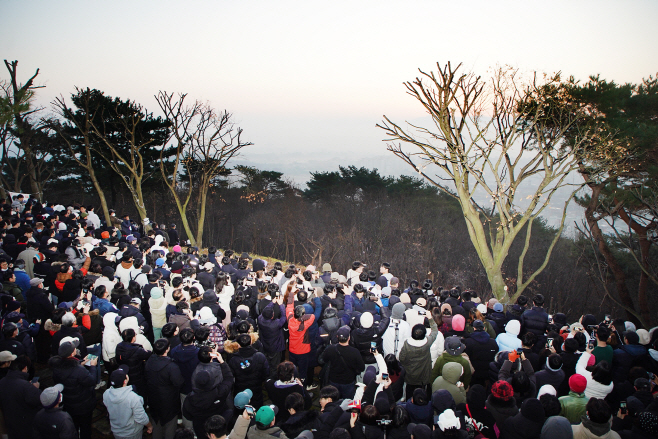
pixel 204 142
pixel 504 139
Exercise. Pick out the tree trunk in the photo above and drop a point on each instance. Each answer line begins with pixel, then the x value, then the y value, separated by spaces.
pixel 203 198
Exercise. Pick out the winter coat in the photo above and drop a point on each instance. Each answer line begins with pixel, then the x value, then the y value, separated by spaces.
pixel 203 403
pixel 300 421
pixel 506 374
pixel 210 300
pixel 403 333
pixel 269 433
pixel 250 367
pixel 573 406
pixel 590 430
pixel 300 340
pixel 345 363
pixel 419 414
pixel 361 338
pixel 140 339
pixel 448 381
pixel 111 336
pixel 79 397
pixel 481 350
pixel 501 410
pixel 500 319
pixel 416 357
pixel 158 311
pixel 624 358
pixel 131 311
pixel 447 358
pixel 521 427
pixel 164 380
pixel 19 401
pixel 271 331
pixel 278 391
pixel 104 306
pixel 38 304
pixel 509 340
pixel 71 290
pixel 186 357
pixel 125 409
pixel 93 334
pixel 550 377
pixel 55 423
pixel 134 356
pixel 594 389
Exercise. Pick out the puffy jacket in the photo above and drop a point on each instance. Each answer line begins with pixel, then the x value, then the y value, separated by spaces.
pixel 361 338
pixel 55 423
pixel 416 358
pixel 300 340
pixel 103 306
pixel 550 377
pixel 624 358
pixel 111 336
pixel 126 411
pixel 131 311
pixel 164 380
pixel 506 374
pixel 535 320
pixel 271 331
pixel 19 401
pixel 500 319
pixel 573 406
pixel 594 389
pixel 134 356
pixel 509 340
pixel 38 304
pixel 250 369
pixel 591 430
pixel 79 397
pixel 448 381
pixel 186 357
pixel 481 350
pixel 68 331
pixel 447 358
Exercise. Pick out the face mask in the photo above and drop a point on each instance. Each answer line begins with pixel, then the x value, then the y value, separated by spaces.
pixel 39 230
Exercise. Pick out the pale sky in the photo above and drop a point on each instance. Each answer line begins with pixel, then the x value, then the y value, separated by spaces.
pixel 308 80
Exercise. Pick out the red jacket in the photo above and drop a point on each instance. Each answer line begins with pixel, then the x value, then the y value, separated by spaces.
pixel 299 340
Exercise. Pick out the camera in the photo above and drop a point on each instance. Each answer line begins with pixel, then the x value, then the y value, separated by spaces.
pixel 384 421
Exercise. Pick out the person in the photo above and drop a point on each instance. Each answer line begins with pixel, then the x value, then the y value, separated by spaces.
pixel 271 331
pixel 397 332
pixel 527 423
pixel 250 367
pixel 264 427
pixel 552 373
pixel 186 356
pixel 286 382
pixel 453 352
pixel 573 406
pixel 602 351
pixel 79 385
pixel 345 363
pixel 596 423
pixel 481 350
pixel 19 399
pixel 449 380
pixel 599 380
pixel 509 340
pixel 299 325
pixel 51 421
pixel 535 320
pixel 416 357
pixel 163 380
pixel 134 356
pixel 125 408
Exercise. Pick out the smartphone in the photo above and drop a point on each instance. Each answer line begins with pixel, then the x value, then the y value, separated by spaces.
pixel 549 343
pixel 250 410
pixel 591 344
pixel 373 346
pixel 436 419
pixel 550 318
pixel 519 351
pixel 35 380
pixel 622 407
pixel 607 318
pixel 384 376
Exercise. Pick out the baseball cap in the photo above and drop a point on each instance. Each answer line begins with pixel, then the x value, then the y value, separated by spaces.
pixel 66 347
pixel 7 356
pixel 136 301
pixel 498 307
pixel 159 262
pixel 243 398
pixel 343 332
pixel 14 317
pixel 65 305
pixel 36 281
pixel 478 324
pixel 51 396
pixel 119 376
pixel 131 238
pixel 266 414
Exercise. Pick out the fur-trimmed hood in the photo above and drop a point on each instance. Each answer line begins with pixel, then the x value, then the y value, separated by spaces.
pixel 50 326
pixel 233 346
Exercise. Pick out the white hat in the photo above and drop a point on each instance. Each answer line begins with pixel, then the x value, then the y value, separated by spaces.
pixel 482 308
pixel 206 317
pixel 447 419
pixel 366 320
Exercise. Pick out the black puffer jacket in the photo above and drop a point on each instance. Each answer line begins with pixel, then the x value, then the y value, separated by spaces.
pixel 68 331
pixel 304 420
pixel 481 350
pixel 271 331
pixel 362 337
pixel 253 375
pixel 134 356
pixel 500 319
pixel 79 397
pixel 534 320
pixel 38 304
pixel 19 401
pixel 164 381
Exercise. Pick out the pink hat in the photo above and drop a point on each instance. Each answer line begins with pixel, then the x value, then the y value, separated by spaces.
pixel 591 361
pixel 177 249
pixel 577 383
pixel 458 323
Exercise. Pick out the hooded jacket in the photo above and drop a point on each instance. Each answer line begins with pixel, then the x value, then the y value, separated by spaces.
pixel 140 339
pixel 594 389
pixel 250 368
pixel 550 377
pixel 111 336
pixel 134 356
pixel 126 411
pixel 506 374
pixel 158 309
pixel 574 406
pixel 104 306
pixel 361 338
pixel 416 358
pixel 509 340
pixel 447 358
pixel 164 380
pixel 448 381
pixel 271 331
pixel 186 357
pixel 481 350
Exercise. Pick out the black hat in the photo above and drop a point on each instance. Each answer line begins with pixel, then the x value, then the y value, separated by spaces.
pixel 118 377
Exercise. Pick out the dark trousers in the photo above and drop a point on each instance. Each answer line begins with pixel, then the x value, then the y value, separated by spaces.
pixel 273 360
pixel 83 424
pixel 302 362
pixel 346 390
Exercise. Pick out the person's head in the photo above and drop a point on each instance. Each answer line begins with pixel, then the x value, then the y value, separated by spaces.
pixel 602 373
pixel 294 403
pixel 68 319
pixel 385 268
pixel 22 363
pixel 128 335
pixel 161 347
pixel 551 405
pixel 328 394
pixel 205 354
pixel 570 345
pixel 186 336
pixel 602 333
pixel 522 300
pixel 418 331
pixel 10 330
pixel 169 329
pixel 538 300
pixel 598 411
pixel 340 433
pixel 265 417
pixel 392 363
pixel 400 416
pixel 554 361
pixel 215 427
pixel 529 339
pixel 370 415
pixel 343 335
pixel 419 397
pixel 285 371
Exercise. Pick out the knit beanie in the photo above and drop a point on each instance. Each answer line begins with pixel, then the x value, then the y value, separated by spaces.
pixel 398 311
pixel 458 323
pixel 502 390
pixel 366 320
pixel 546 389
pixel 156 293
pixel 577 383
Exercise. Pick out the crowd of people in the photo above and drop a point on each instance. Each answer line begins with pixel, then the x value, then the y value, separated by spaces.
pixel 182 343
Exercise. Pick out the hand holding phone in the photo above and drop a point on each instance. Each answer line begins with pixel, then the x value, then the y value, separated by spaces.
pixel 251 412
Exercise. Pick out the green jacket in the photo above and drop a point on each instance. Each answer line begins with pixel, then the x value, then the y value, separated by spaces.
pixel 416 358
pixel 574 406
pixel 447 358
pixel 452 371
pixel 14 290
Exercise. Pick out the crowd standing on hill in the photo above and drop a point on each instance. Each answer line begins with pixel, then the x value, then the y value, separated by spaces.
pixel 188 343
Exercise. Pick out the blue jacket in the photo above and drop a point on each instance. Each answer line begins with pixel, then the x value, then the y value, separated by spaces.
pixel 534 320
pixel 22 280
pixel 103 306
pixel 271 331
